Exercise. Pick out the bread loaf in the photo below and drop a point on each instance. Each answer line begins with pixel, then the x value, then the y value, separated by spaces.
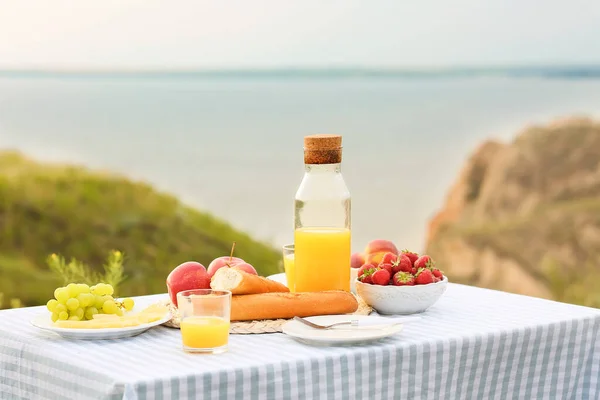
pixel 241 282
pixel 288 305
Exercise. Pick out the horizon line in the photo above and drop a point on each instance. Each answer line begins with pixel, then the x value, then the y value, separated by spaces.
pixel 570 72
pixel 324 68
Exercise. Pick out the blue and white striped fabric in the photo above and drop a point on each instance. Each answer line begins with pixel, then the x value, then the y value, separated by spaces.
pixel 473 344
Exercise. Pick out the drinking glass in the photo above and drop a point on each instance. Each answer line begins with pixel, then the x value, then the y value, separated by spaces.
pixel 288 264
pixel 205 318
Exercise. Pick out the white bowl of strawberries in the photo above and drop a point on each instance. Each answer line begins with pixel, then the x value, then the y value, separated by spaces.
pixel 402 283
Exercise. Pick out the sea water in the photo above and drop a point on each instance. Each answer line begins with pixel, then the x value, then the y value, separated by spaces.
pixel 233 146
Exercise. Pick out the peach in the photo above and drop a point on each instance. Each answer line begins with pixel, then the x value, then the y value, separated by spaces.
pixel 376 249
pixel 221 262
pixel 187 276
pixel 357 260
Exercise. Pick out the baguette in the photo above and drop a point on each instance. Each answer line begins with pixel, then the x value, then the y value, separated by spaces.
pixel 274 305
pixel 240 282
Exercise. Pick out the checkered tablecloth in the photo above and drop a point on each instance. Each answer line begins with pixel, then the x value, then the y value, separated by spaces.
pixel 473 344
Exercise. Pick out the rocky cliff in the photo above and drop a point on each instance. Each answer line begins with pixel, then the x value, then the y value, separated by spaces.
pixel 524 217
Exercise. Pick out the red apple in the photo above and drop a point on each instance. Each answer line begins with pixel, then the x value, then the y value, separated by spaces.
pixel 187 276
pixel 222 262
pixel 357 260
pixel 244 266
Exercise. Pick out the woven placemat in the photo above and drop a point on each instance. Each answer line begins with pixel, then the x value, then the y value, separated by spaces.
pixel 261 326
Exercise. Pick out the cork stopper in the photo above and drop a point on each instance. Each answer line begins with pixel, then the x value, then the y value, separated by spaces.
pixel 323 149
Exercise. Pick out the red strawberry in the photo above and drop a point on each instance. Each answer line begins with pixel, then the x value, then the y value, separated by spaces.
pixel 424 277
pixel 387 266
pixel 365 270
pixel 381 277
pixel 424 262
pixel 389 258
pixel 403 279
pixel 412 256
pixel 436 280
pixel 413 271
pixel 367 279
pixel 404 264
pixel 437 273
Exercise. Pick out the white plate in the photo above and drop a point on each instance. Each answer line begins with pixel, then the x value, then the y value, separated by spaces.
pixel 279 278
pixel 43 321
pixel 338 335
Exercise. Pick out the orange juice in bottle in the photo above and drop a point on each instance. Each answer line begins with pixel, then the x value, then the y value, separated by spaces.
pixel 322 237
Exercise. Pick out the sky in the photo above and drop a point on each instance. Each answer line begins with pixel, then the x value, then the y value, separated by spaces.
pixel 151 34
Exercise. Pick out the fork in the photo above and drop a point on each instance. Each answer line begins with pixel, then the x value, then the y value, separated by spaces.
pixel 372 321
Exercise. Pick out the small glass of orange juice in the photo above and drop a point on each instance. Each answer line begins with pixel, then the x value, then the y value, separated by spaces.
pixel 205 317
pixel 288 265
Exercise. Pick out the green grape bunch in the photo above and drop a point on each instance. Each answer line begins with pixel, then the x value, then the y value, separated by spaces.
pixel 80 302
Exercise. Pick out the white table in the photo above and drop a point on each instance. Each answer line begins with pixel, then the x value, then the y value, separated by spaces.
pixel 474 343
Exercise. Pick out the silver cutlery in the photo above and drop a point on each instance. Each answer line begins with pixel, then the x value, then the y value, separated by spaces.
pixel 360 322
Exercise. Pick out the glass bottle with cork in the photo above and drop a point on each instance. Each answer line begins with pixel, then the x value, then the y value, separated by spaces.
pixel 322 240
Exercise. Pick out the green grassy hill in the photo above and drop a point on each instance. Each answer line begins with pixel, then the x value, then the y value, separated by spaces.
pixel 77 213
